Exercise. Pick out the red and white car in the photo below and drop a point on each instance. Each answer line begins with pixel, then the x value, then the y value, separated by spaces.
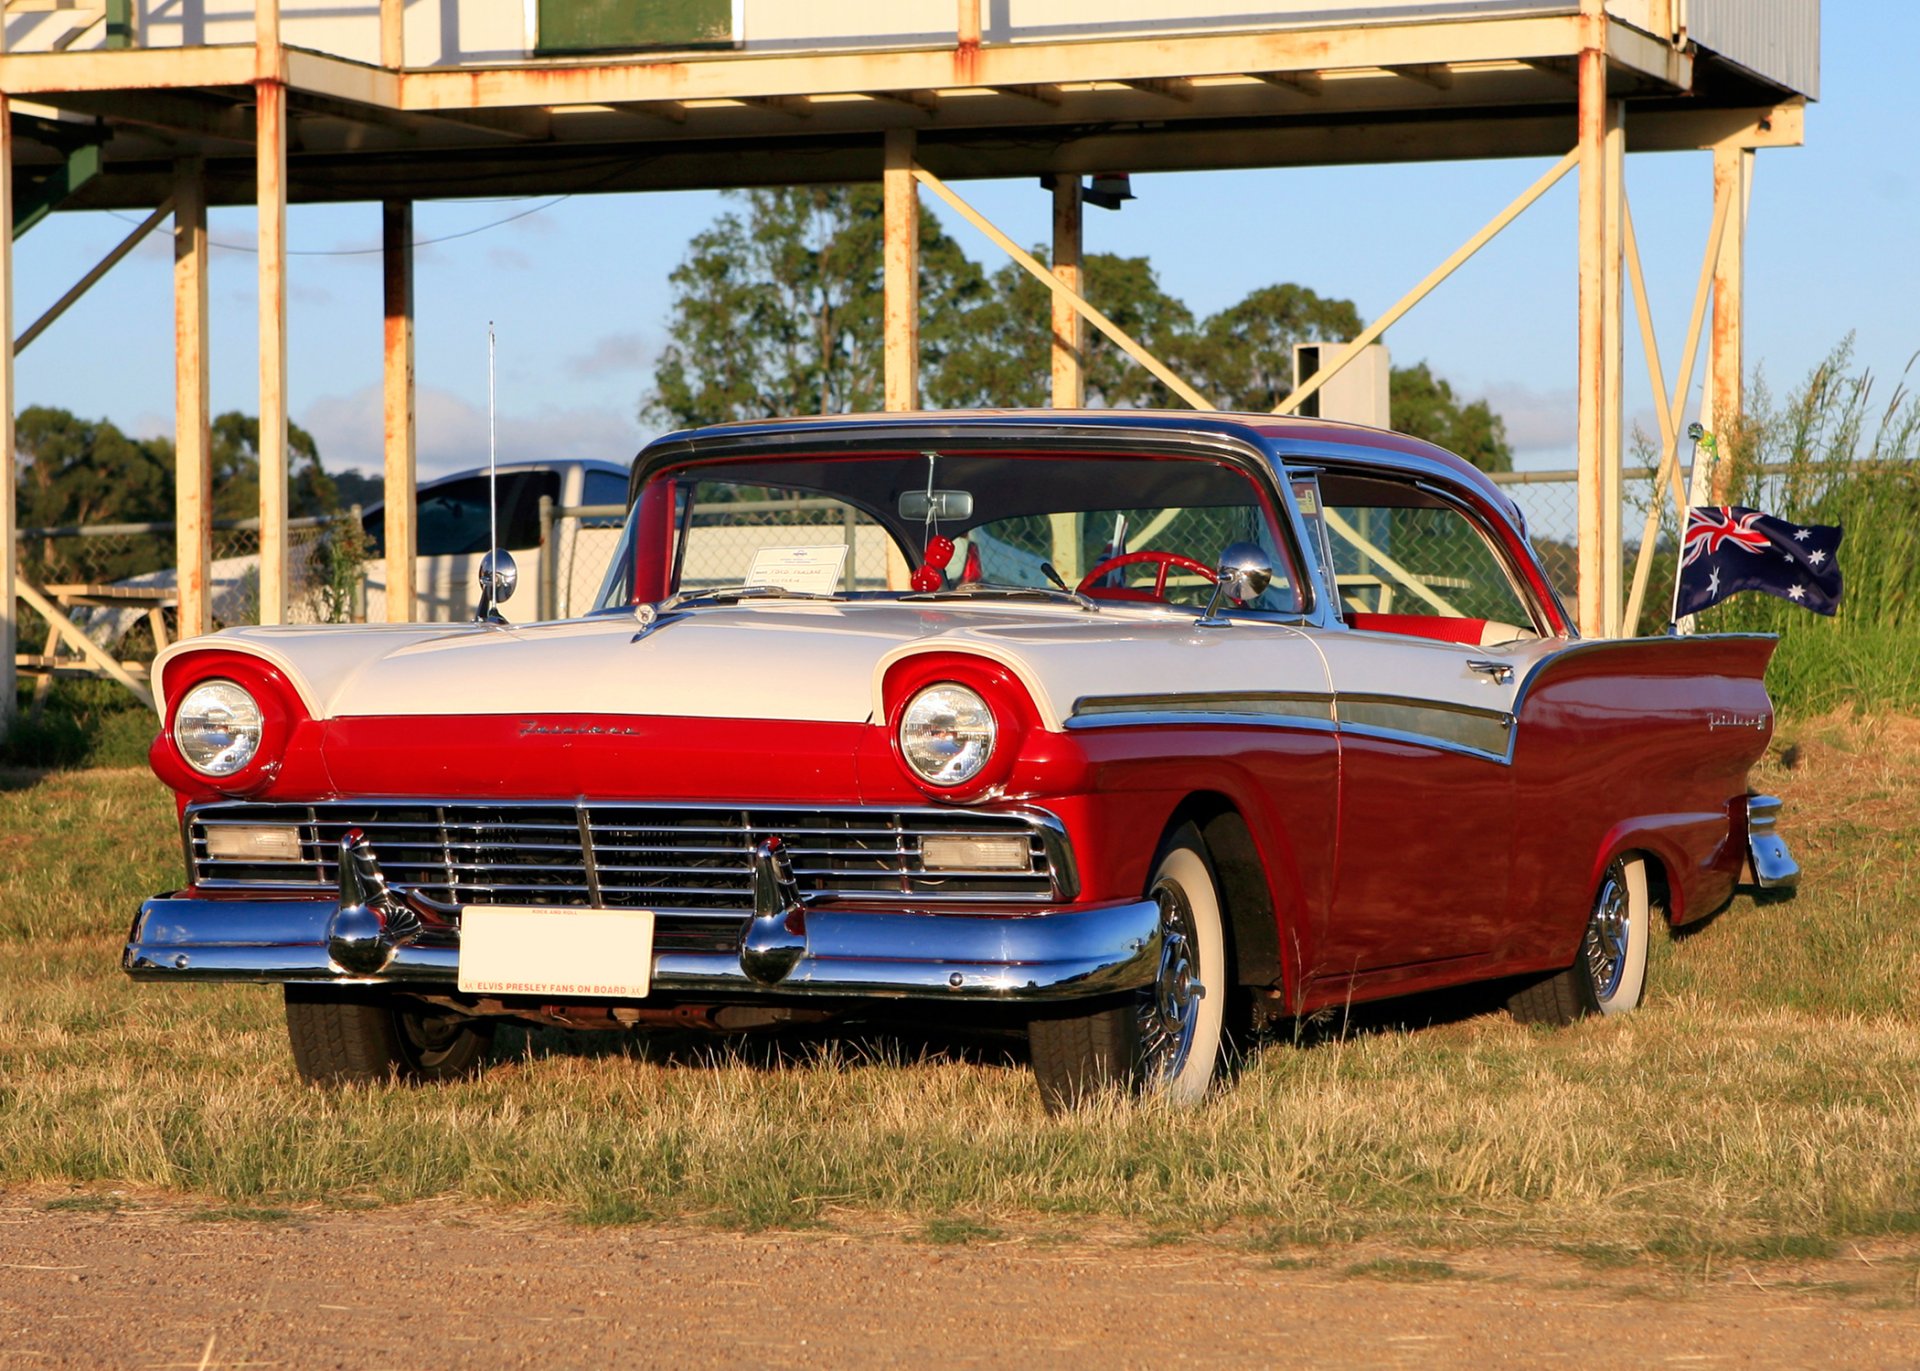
pixel 1137 729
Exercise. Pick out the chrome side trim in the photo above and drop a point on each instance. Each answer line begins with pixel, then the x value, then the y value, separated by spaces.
pixel 1055 954
pixel 1266 707
pixel 1773 866
pixel 1481 732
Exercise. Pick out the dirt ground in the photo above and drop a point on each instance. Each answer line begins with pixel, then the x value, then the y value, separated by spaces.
pixel 163 1284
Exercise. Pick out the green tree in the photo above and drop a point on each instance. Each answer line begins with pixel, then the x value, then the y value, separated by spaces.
pixel 779 309
pixel 1005 356
pixel 1242 357
pixel 82 471
pixel 1425 406
pixel 235 456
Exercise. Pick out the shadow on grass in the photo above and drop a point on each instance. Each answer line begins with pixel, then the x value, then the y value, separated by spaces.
pixel 864 1043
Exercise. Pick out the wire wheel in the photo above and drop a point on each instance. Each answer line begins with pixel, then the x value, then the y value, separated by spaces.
pixel 1168 1011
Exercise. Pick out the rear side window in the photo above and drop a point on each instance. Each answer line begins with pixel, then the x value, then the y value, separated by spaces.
pixel 454 519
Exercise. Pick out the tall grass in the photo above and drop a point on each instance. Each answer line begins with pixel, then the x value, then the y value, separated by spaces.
pixel 1850 457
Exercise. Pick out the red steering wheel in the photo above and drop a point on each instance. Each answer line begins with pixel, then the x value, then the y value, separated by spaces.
pixel 1162 560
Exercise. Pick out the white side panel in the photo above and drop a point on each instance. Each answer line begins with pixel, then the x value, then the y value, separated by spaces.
pixel 1777 39
pixel 1036 20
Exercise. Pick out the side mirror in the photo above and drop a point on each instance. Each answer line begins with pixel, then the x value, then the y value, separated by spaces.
pixel 498 577
pixel 1244 573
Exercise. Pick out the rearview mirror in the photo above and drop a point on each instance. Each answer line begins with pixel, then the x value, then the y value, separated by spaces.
pixel 1245 571
pixel 498 577
pixel 917 506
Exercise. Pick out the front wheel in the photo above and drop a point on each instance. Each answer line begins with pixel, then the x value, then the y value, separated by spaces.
pixel 346 1036
pixel 1165 1039
pixel 1609 976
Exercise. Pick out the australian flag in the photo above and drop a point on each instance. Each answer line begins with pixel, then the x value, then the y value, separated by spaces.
pixel 1729 549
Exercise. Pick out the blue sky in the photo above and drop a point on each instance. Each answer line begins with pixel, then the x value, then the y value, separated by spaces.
pixel 579 292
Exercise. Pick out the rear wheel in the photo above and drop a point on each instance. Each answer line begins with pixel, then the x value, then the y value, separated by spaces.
pixel 1609 976
pixel 345 1035
pixel 1165 1039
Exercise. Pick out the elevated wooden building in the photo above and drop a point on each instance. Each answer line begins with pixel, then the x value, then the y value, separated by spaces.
pixel 169 106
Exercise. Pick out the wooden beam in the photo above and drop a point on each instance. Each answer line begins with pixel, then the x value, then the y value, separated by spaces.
pixel 1371 333
pixel 1672 410
pixel 1062 290
pixel 902 272
pixel 9 545
pixel 925 101
pixel 1069 329
pixel 186 116
pixel 1167 89
pixel 270 200
pixel 1433 75
pixel 1613 551
pixel 1299 82
pixel 86 282
pixel 514 126
pixel 1721 403
pixel 1048 95
pixel 64 627
pixel 393 34
pixel 1591 391
pixel 999 65
pixel 793 106
pixel 666 111
pixel 396 256
pixel 192 441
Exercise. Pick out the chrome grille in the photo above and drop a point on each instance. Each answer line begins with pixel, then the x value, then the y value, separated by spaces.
pixel 636 856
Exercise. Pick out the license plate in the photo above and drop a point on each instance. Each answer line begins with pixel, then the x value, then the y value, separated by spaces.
pixel 513 950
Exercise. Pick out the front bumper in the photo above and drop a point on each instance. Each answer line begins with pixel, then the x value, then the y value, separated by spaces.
pixel 1057 954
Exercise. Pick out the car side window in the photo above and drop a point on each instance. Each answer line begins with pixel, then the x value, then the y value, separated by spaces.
pixel 454 518
pixel 605 488
pixel 1403 555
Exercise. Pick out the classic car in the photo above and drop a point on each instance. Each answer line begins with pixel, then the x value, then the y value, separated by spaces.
pixel 1131 730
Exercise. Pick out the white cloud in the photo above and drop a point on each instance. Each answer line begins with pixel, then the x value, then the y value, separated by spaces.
pixel 1538 421
pixel 612 353
pixel 452 432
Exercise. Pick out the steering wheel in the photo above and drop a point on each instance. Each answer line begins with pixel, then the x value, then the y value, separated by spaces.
pixel 1163 560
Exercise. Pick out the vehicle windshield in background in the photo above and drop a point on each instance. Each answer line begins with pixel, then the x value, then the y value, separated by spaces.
pixel 1116 529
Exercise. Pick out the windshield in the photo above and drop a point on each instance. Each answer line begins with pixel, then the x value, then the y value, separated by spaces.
pixel 1116 529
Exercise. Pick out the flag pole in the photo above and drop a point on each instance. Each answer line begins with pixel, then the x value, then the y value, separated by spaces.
pixel 1695 433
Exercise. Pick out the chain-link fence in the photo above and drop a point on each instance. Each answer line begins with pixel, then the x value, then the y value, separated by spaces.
pixel 118 584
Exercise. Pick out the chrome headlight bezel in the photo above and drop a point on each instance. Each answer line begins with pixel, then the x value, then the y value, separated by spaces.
pixel 218 727
pixel 947 734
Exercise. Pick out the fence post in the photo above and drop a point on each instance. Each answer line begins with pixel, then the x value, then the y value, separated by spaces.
pixel 358 610
pixel 548 561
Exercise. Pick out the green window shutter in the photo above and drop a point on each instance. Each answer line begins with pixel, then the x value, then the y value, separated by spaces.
pixel 628 25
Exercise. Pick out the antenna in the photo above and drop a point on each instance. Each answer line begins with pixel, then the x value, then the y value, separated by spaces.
pixel 493 475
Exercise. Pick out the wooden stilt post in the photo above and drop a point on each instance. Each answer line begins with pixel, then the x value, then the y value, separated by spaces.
pixel 9 545
pixel 396 244
pixel 270 196
pixel 902 274
pixel 1069 329
pixel 1591 394
pixel 1612 548
pixel 1721 401
pixel 192 446
pixel 393 34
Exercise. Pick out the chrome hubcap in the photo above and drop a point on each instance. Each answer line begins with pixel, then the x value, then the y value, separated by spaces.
pixel 1169 1009
pixel 1609 929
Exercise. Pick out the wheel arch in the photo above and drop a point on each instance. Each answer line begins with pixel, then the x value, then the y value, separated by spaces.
pixel 1246 887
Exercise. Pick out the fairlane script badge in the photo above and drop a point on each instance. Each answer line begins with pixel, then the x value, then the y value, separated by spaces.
pixel 532 728
pixel 1717 721
pixel 519 950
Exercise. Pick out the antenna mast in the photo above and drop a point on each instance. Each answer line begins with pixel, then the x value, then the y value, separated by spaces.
pixel 493 477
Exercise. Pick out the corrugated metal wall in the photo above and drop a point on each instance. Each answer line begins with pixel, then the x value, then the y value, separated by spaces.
pixel 1777 39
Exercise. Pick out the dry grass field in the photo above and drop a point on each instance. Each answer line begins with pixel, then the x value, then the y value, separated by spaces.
pixel 1764 1104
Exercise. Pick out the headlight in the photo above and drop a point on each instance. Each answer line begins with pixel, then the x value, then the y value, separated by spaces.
pixel 217 728
pixel 946 734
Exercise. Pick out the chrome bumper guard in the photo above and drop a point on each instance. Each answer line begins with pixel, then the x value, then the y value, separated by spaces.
pixel 1773 866
pixel 375 934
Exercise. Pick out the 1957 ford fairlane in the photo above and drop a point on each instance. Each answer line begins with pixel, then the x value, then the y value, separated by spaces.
pixel 1138 729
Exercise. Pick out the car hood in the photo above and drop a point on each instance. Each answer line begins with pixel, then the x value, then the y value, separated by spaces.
pixel 796 661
